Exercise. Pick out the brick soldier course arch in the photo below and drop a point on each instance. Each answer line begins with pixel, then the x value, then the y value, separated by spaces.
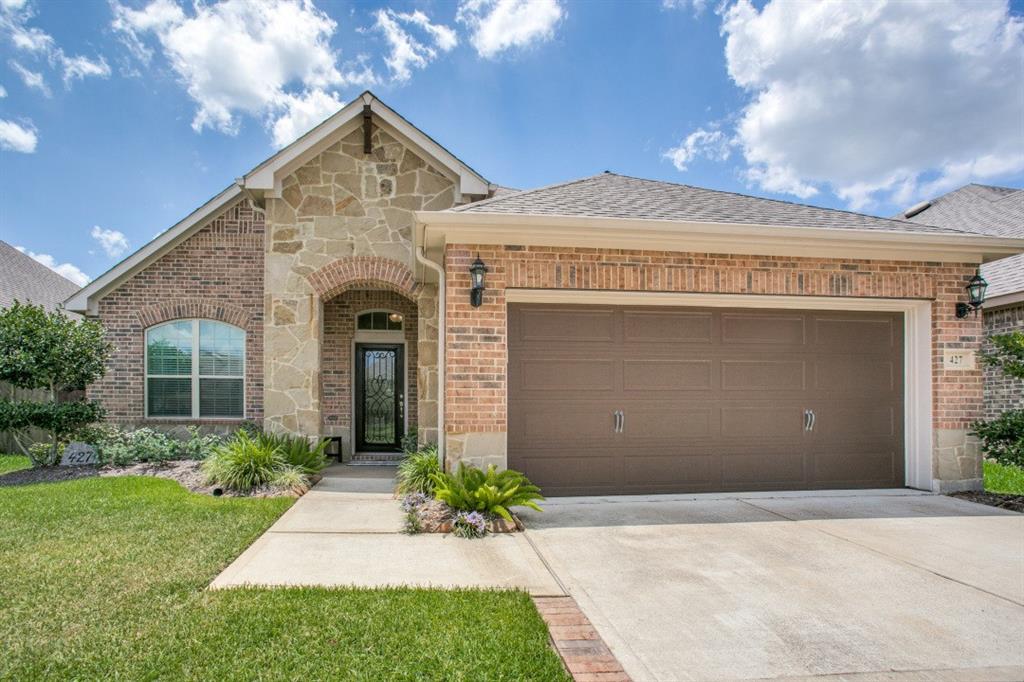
pixel 364 272
pixel 177 309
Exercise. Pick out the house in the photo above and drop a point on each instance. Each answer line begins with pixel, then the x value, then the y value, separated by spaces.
pixel 997 211
pixel 605 335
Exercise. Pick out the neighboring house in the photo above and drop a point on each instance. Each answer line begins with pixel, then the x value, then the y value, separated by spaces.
pixel 28 281
pixel 997 211
pixel 632 336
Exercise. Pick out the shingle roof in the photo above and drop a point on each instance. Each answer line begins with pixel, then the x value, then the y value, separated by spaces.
pixel 984 209
pixel 609 195
pixel 25 280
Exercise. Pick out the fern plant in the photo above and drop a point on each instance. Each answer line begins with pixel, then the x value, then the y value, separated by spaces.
pixel 492 491
pixel 416 471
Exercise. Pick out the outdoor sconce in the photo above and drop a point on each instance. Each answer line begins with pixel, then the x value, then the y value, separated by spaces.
pixel 975 296
pixel 476 279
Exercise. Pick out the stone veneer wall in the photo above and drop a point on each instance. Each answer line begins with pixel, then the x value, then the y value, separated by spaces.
pixel 344 221
pixel 1002 392
pixel 217 273
pixel 477 356
pixel 339 331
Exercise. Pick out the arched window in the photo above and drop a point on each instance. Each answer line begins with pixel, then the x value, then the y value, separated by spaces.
pixel 195 369
pixel 379 321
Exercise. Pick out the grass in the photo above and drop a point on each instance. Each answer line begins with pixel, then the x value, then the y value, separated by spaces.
pixel 104 579
pixel 9 463
pixel 1003 478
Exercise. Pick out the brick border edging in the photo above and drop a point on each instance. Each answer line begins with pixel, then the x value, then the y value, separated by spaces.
pixel 584 653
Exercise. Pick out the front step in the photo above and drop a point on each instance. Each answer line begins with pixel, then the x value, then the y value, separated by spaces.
pixel 377 458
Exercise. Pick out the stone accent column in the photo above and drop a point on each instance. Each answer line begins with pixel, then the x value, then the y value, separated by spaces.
pixel 293 338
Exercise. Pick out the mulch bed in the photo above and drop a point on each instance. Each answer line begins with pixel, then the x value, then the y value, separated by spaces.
pixel 1001 500
pixel 185 472
pixel 47 475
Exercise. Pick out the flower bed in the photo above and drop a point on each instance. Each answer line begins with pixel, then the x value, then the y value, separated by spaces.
pixel 426 515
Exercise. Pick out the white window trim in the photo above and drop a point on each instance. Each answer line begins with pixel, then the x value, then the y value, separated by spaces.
pixel 917 347
pixel 195 376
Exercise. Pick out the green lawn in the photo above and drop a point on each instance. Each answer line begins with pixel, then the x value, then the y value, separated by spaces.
pixel 10 463
pixel 104 578
pixel 1003 478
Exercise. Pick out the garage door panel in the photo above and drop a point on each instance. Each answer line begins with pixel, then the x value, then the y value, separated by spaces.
pixel 738 327
pixel 767 421
pixel 644 375
pixel 713 399
pixel 858 467
pixel 765 468
pixel 667 325
pixel 548 325
pixel 764 375
pixel 857 335
pixel 670 470
pixel 580 375
pixel 855 374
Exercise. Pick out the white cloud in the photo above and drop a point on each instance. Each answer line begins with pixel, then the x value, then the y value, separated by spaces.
pixel 3 92
pixel 31 79
pixel 302 113
pixel 114 243
pixel 698 5
pixel 878 102
pixel 407 51
pixel 712 144
pixel 17 138
pixel 66 270
pixel 237 56
pixel 500 25
pixel 14 19
pixel 78 68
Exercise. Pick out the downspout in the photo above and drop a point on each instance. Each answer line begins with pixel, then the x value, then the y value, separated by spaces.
pixel 421 256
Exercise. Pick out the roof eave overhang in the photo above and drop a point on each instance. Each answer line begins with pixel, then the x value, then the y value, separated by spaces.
pixel 1003 300
pixel 435 229
pixel 86 299
pixel 266 178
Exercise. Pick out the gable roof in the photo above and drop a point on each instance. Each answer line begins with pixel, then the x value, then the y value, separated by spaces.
pixel 982 209
pixel 610 195
pixel 265 178
pixel 24 279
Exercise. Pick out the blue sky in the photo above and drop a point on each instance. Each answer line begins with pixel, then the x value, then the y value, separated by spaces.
pixel 119 118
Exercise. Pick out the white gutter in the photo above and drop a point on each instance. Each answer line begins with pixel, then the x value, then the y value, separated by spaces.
pixel 421 256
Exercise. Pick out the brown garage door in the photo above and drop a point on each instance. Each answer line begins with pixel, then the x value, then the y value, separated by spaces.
pixel 655 399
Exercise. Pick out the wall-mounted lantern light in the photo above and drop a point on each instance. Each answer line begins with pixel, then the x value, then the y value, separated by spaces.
pixel 476 279
pixel 975 296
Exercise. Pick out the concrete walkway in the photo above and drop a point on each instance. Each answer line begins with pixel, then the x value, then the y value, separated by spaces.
pixel 347 531
pixel 886 585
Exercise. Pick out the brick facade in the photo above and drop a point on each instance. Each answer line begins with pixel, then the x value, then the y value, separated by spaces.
pixel 217 273
pixel 476 350
pixel 1002 392
pixel 339 331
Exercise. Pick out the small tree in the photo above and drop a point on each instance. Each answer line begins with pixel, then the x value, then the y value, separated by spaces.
pixel 1002 438
pixel 49 351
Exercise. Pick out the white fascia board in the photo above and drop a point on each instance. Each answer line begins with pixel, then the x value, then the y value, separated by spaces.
pixel 85 299
pixel 268 174
pixel 438 228
pixel 1003 300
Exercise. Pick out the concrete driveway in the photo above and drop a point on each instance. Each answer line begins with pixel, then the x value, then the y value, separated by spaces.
pixel 864 586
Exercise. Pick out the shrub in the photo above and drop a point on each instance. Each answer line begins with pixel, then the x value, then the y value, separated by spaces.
pixel 416 471
pixel 198 445
pixel 296 451
pixel 411 441
pixel 244 463
pixel 491 492
pixel 1002 438
pixel 123 448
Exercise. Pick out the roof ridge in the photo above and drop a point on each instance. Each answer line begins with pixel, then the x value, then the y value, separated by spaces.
pixel 519 193
pixel 783 201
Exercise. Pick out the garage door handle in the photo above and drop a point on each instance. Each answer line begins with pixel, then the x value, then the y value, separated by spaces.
pixel 622 421
pixel 617 425
pixel 807 420
pixel 814 418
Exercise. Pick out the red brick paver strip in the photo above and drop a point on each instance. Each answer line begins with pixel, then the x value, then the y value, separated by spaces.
pixel 586 656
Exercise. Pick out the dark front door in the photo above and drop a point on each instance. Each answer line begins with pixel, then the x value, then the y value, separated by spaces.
pixel 380 397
